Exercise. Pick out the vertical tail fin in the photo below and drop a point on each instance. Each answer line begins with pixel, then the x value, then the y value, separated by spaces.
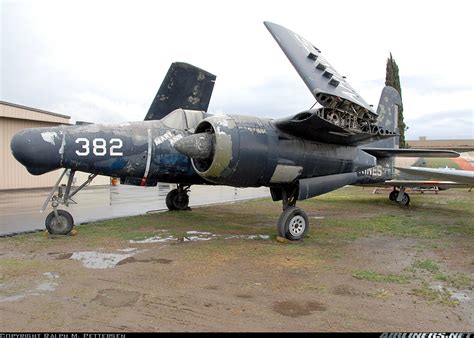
pixel 387 111
pixel 387 119
pixel 184 86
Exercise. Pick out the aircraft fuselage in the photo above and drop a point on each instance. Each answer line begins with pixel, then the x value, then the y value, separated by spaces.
pixel 143 153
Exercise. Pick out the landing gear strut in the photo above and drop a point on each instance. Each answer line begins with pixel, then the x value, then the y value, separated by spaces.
pixel 58 221
pixel 293 223
pixel 399 196
pixel 178 199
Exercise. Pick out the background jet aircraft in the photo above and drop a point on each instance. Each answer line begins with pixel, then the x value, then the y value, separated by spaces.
pixel 344 141
pixel 410 177
pixel 459 176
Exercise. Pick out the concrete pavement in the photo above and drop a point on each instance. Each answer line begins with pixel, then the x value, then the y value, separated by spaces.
pixel 20 210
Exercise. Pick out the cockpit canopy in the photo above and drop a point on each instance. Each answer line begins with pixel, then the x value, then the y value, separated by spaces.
pixel 183 119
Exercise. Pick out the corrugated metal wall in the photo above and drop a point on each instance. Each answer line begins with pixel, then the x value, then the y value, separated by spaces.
pixel 12 174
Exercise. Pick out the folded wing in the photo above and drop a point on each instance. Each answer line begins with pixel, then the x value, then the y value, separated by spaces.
pixel 345 118
pixel 325 83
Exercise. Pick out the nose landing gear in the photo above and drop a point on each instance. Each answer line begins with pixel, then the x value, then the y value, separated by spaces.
pixel 58 221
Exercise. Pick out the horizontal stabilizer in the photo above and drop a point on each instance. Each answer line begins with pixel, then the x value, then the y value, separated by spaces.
pixel 184 86
pixel 387 152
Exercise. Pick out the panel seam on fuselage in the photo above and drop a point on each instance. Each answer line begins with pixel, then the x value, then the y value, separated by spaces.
pixel 148 159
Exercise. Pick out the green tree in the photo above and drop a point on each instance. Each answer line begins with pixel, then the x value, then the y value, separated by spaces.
pixel 392 79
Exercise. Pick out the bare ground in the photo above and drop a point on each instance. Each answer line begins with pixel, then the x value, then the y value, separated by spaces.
pixel 368 265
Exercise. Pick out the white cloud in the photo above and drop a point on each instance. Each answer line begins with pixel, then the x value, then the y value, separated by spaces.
pixel 81 57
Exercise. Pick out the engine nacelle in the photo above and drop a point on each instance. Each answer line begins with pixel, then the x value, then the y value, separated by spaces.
pixel 239 150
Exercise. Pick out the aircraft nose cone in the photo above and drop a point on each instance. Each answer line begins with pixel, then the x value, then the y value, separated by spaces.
pixel 197 146
pixel 37 149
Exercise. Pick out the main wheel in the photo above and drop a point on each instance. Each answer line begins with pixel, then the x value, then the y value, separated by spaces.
pixel 61 226
pixel 293 224
pixel 393 195
pixel 170 197
pixel 405 200
pixel 177 201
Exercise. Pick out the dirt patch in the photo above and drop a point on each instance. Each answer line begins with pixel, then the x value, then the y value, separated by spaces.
pixel 297 309
pixel 64 256
pixel 345 290
pixel 158 260
pixel 116 297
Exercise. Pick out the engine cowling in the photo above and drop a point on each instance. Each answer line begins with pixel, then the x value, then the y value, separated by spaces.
pixel 232 150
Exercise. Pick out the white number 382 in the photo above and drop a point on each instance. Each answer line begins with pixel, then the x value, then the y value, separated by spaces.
pixel 99 147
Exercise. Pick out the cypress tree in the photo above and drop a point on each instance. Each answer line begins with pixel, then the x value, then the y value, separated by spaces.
pixel 393 79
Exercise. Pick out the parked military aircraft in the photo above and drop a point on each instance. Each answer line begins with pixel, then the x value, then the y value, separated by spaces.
pixel 343 141
pixel 428 173
pixel 460 176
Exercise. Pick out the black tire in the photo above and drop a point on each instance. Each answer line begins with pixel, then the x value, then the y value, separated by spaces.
pixel 393 195
pixel 170 197
pixel 405 200
pixel 293 224
pixel 177 201
pixel 63 227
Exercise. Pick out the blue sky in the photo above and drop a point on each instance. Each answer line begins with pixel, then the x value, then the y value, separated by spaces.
pixel 102 61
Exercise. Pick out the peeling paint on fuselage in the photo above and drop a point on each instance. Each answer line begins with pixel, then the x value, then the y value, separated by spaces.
pixel 49 136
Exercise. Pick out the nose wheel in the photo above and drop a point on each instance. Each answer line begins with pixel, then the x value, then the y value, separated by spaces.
pixel 178 199
pixel 58 221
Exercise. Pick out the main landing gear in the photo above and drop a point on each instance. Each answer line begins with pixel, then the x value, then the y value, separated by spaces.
pixel 178 199
pixel 58 221
pixel 293 223
pixel 399 196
